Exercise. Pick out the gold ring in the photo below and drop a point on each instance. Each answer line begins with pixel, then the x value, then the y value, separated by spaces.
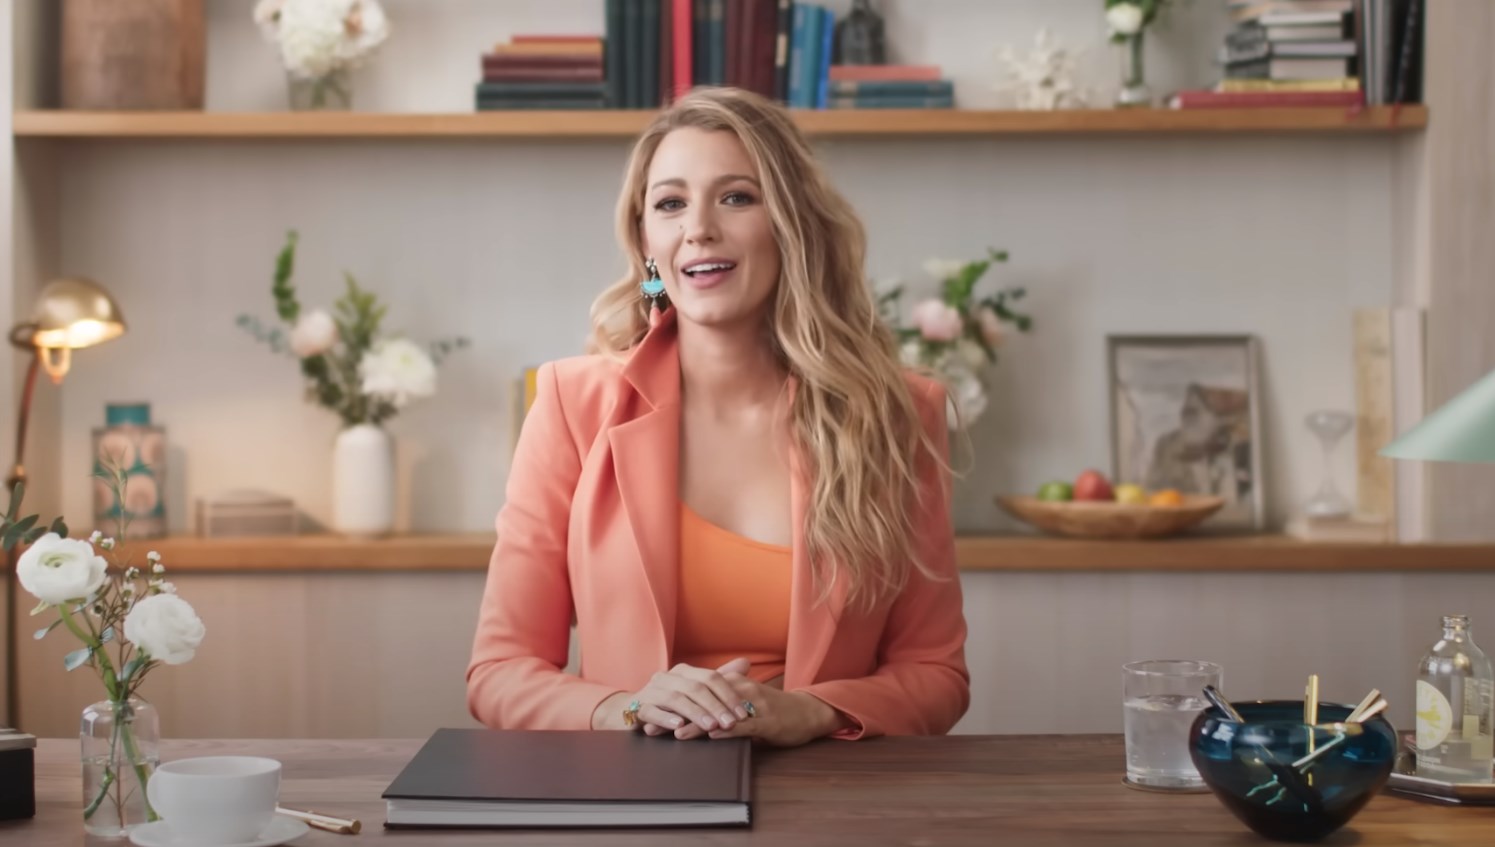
pixel 630 714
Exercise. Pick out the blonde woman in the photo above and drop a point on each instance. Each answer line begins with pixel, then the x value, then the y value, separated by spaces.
pixel 740 497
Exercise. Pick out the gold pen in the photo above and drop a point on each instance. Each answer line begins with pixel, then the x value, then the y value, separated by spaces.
pixel 341 826
pixel 1311 712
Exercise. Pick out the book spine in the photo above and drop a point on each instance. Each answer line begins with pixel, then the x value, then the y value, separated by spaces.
pixel 1264 99
pixel 547 38
pixel 737 35
pixel 850 88
pixel 579 90
pixel 884 73
pixel 716 37
pixel 511 74
pixel 799 39
pixel 682 32
pixel 823 68
pixel 499 60
pixel 700 41
pixel 613 56
pixel 649 52
pixel 633 42
pixel 494 104
pixel 765 46
pixel 782 33
pixel 592 48
pixel 889 101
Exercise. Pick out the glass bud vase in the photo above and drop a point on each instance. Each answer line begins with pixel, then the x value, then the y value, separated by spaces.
pixel 121 743
pixel 1134 92
pixel 332 91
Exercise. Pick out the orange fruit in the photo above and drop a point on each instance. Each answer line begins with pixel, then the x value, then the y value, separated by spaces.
pixel 1166 497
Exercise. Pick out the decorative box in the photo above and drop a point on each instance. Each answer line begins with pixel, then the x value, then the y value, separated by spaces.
pixel 246 513
pixel 17 775
pixel 130 442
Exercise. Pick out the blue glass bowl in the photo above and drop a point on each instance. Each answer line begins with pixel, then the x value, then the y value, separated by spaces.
pixel 1249 766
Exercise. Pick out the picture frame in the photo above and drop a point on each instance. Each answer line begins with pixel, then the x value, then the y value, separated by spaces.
pixel 1185 413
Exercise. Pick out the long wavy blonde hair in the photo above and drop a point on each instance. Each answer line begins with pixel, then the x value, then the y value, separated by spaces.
pixel 853 419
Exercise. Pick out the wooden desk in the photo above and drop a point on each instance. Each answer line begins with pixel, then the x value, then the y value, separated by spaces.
pixel 957 790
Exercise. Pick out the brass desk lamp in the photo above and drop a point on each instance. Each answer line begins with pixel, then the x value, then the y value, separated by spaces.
pixel 70 314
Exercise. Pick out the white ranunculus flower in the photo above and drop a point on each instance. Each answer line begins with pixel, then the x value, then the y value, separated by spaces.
pixel 165 627
pixel 267 17
pixel 911 353
pixel 971 354
pixel 314 334
pixel 943 269
pixel 317 37
pixel 57 569
pixel 1125 18
pixel 967 396
pixel 397 370
pixel 368 27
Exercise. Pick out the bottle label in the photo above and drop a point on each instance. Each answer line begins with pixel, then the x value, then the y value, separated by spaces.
pixel 1434 716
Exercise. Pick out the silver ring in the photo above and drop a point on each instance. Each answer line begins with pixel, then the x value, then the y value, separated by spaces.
pixel 747 706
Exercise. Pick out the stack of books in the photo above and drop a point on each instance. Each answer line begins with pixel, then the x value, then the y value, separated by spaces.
pixel 1318 53
pixel 1293 53
pixel 543 72
pixel 889 87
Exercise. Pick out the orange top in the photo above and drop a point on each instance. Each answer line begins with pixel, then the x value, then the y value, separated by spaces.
pixel 733 598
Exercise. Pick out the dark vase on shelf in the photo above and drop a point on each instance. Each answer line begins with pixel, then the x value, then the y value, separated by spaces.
pixel 859 37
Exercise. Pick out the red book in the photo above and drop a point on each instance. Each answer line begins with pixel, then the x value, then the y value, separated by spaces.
pixel 510 60
pixel 884 73
pixel 682 23
pixel 505 74
pixel 1265 99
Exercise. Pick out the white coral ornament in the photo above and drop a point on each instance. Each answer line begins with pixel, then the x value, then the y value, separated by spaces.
pixel 1043 77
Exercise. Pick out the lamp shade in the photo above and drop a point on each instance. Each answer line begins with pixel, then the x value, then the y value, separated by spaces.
pixel 70 314
pixel 1463 430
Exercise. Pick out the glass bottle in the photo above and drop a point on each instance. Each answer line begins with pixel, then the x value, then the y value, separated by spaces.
pixel 1455 707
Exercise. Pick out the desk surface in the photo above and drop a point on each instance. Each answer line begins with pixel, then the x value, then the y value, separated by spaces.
pixel 976 790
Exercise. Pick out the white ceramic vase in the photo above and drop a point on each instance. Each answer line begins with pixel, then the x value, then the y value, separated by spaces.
pixel 363 481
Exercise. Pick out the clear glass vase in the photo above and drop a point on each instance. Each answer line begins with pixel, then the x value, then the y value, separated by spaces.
pixel 121 743
pixel 1134 92
pixel 333 91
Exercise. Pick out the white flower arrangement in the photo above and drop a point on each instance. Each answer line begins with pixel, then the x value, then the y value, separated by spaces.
pixel 955 334
pixel 350 367
pixel 128 623
pixel 318 37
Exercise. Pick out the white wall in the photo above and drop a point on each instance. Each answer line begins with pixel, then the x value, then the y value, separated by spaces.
pixel 506 242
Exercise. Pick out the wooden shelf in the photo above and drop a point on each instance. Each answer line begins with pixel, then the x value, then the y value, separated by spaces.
pixel 627 124
pixel 974 553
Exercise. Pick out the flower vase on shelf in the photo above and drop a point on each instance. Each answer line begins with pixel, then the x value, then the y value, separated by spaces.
pixel 332 91
pixel 120 742
pixel 363 481
pixel 1134 92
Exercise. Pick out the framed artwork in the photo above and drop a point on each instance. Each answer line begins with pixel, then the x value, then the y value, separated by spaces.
pixel 1186 414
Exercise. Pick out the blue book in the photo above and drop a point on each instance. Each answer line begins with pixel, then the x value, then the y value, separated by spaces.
pixel 799 40
pixel 823 69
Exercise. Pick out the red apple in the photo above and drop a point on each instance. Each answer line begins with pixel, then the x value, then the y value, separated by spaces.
pixel 1093 485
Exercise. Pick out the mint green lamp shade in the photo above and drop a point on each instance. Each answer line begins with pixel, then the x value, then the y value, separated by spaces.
pixel 1463 430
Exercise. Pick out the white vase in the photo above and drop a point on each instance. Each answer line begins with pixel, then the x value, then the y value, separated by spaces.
pixel 363 481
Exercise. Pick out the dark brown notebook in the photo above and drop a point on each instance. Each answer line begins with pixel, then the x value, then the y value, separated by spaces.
pixel 514 778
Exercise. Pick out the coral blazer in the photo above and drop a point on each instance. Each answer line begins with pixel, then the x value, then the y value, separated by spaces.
pixel 590 529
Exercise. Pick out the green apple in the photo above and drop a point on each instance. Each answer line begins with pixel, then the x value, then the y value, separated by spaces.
pixel 1056 491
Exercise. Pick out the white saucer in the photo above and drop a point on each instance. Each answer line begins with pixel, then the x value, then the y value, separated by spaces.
pixel 280 830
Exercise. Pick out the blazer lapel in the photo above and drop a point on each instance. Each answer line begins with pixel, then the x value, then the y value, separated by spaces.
pixel 646 458
pixel 812 624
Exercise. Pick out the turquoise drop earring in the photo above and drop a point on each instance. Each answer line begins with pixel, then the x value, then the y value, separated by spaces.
pixel 653 287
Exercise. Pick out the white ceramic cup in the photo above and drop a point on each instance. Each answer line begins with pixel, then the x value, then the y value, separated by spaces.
pixel 215 800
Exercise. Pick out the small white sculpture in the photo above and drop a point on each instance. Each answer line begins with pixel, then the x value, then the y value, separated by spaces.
pixel 1043 77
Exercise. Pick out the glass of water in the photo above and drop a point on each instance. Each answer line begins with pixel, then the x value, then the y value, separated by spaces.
pixel 1160 699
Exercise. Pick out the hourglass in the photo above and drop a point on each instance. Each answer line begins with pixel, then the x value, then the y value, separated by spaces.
pixel 1330 427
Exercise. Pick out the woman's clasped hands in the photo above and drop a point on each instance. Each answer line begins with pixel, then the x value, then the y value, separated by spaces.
pixel 693 702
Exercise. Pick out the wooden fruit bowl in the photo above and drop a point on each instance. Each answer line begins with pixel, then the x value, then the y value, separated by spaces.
pixel 1100 519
